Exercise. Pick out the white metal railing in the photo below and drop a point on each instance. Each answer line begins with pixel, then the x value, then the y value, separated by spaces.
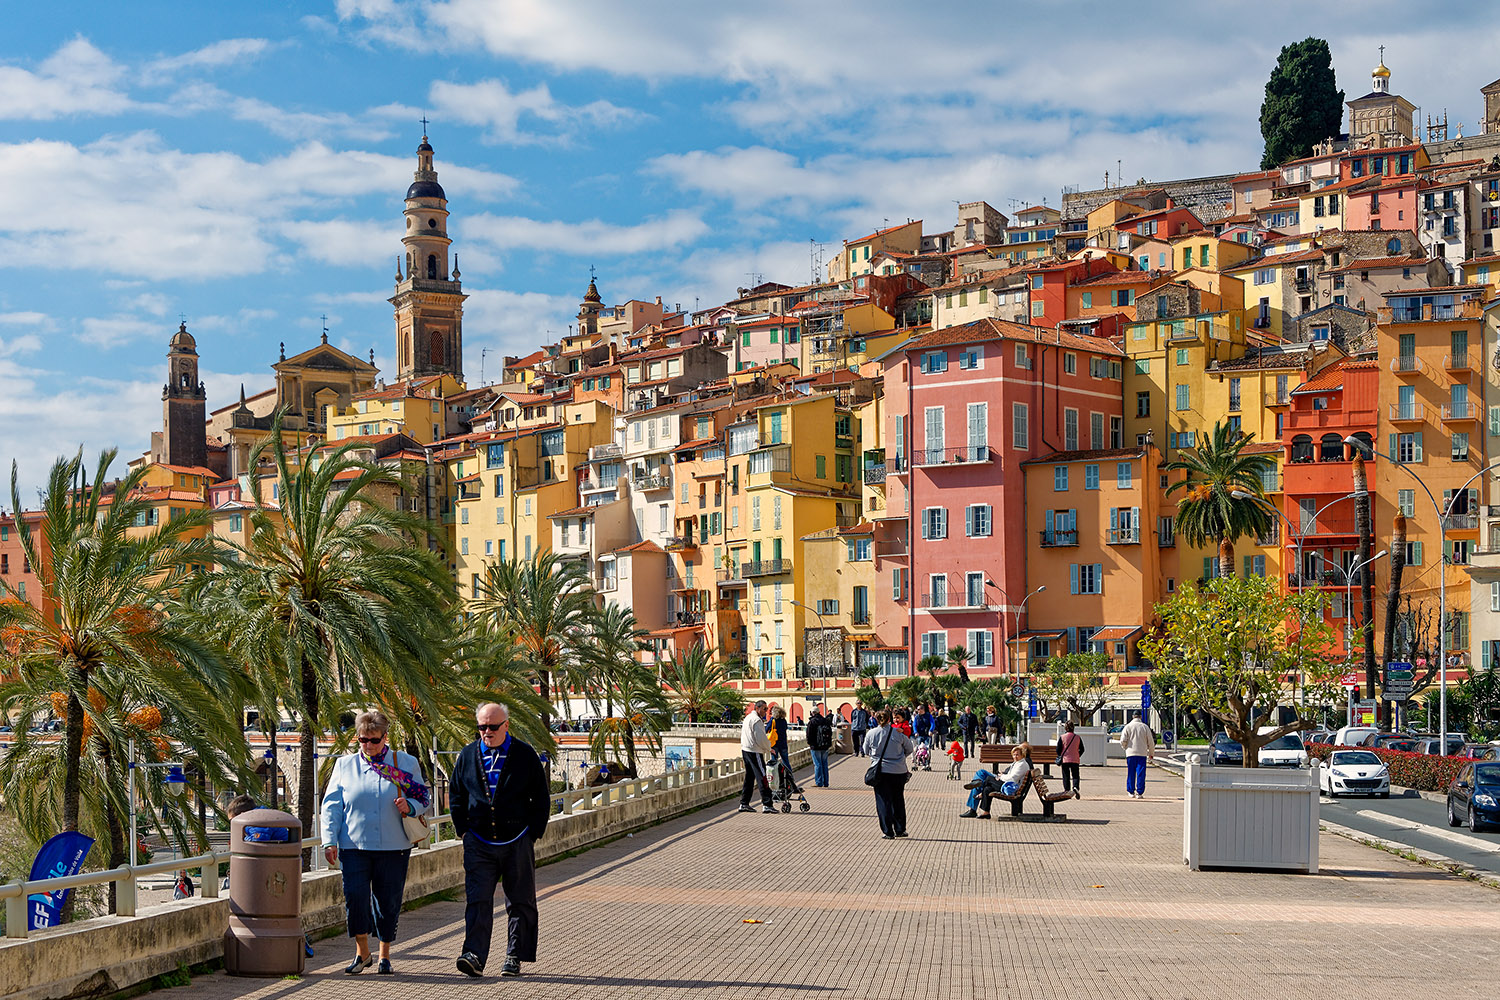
pixel 16 894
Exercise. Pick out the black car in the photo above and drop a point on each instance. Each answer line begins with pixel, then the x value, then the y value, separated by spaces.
pixel 1474 796
pixel 1224 750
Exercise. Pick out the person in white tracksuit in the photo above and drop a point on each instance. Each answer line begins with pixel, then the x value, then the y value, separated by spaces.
pixel 1140 745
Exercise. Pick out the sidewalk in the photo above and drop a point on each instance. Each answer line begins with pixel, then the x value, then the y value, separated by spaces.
pixel 1101 906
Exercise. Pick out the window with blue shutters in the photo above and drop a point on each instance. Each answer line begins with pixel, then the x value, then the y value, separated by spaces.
pixel 1091 477
pixel 1060 478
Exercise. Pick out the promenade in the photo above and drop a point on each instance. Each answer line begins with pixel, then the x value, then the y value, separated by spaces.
pixel 1101 906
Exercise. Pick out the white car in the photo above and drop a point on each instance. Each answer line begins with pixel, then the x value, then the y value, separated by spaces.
pixel 1353 736
pixel 1283 751
pixel 1355 772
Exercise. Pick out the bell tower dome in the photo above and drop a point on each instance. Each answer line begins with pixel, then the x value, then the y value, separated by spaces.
pixel 429 299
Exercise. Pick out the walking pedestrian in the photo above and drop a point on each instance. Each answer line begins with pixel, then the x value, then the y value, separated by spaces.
pixel 500 804
pixel 991 724
pixel 969 724
pixel 889 747
pixel 902 720
pixel 859 725
pixel 1069 753
pixel 1140 745
pixel 941 724
pixel 820 741
pixel 776 731
pixel 754 745
pixel 368 795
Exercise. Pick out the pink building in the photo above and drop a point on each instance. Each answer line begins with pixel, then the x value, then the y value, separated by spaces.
pixel 964 407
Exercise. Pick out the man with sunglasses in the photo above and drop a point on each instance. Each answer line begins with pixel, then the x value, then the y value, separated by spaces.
pixel 500 803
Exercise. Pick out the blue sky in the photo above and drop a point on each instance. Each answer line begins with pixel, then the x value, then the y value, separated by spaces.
pixel 243 164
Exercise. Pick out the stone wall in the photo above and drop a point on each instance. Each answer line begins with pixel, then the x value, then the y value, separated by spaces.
pixel 1208 197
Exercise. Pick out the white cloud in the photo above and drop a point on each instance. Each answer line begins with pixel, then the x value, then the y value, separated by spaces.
pixel 494 107
pixel 512 323
pixel 225 52
pixel 28 343
pixel 594 236
pixel 344 242
pixel 77 79
pixel 114 331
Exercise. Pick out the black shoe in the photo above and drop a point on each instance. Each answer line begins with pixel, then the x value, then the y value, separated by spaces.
pixel 768 809
pixel 385 967
pixel 968 814
pixel 746 809
pixel 512 966
pixel 903 833
pixel 470 965
pixel 971 785
pixel 359 965
pixel 887 836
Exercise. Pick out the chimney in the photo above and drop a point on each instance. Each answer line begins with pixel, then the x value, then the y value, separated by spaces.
pixel 1170 202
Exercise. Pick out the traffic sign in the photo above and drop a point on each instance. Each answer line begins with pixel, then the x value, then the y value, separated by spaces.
pixel 1145 696
pixel 1397 684
pixel 1018 690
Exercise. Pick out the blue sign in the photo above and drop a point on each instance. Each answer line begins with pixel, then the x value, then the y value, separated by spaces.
pixel 1146 696
pixel 61 856
pixel 1031 712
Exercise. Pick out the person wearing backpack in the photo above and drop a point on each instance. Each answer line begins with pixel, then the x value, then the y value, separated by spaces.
pixel 1069 753
pixel 859 725
pixel 820 741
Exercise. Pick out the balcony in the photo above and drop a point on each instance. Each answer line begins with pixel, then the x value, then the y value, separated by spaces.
pixel 591 485
pixel 1484 561
pixel 1431 312
pixel 1408 413
pixel 845 520
pixel 601 452
pixel 1281 397
pixel 897 465
pixel 647 484
pixel 1123 536
pixel 1303 285
pixel 731 577
pixel 1408 364
pixel 875 475
pixel 680 543
pixel 961 455
pixel 766 567
pixel 1059 539
pixel 605 584
pixel 1456 412
pixel 1315 419
pixel 1166 541
pixel 954 602
pixel 686 619
pixel 468 491
pixel 1459 365
pixel 1461 522
pixel 890 547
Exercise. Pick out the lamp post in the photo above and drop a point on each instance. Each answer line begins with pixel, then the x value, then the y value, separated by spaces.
pixel 175 781
pixel 822 627
pixel 1348 577
pixel 1301 535
pixel 1020 698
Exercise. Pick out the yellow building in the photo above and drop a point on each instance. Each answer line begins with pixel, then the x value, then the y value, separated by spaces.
pixel 415 408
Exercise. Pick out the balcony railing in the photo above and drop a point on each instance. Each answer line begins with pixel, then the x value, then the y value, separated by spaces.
pixel 875 474
pixel 1408 412
pixel 1281 398
pixel 1166 541
pixel 1123 536
pixel 766 567
pixel 678 543
pixel 648 483
pixel 1059 539
pixel 845 520
pixel 605 584
pixel 1408 364
pixel 1461 522
pixel 730 577
pixel 954 602
pixel 890 546
pixel 961 455
pixel 1458 362
pixel 860 617
pixel 687 618
pixel 1302 284
pixel 1431 312
pixel 603 451
pixel 1460 411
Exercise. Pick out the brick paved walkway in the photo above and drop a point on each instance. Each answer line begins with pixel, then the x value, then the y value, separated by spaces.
pixel 1099 907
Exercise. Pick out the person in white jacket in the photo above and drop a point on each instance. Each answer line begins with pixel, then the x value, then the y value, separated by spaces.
pixel 1140 745
pixel 754 745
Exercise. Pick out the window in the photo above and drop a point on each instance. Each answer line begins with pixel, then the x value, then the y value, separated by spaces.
pixel 1143 404
pixel 981 645
pixel 1070 363
pixel 977 520
pixel 1060 478
pixel 1123 477
pixel 1020 434
pixel 1143 366
pixel 935 522
pixel 1459 554
pixel 776 512
pixel 1070 429
pixel 898 583
pixel 463 546
pixel 1460 446
pixel 1406 447
pixel 1183 401
pixel 1023 360
pixel 1413 553
pixel 970 358
pixel 934 361
pixel 979 431
pixel 1406 502
pixel 934 643
pixel 1036 282
pixel 1086 578
pixel 463 516
pixel 755 513
pixel 1255 566
pixel 1091 477
pixel 859 549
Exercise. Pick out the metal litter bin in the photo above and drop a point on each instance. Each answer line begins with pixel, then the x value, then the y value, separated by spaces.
pixel 265 895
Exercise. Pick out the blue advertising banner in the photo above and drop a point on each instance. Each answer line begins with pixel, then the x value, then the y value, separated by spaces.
pixel 60 856
pixel 1146 696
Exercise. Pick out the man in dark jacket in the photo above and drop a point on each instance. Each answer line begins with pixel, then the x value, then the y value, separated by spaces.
pixel 969 723
pixel 500 803
pixel 859 725
pixel 820 741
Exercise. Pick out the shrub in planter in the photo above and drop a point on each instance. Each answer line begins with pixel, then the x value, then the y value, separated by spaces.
pixel 1424 772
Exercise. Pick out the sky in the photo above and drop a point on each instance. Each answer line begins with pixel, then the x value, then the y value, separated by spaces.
pixel 242 165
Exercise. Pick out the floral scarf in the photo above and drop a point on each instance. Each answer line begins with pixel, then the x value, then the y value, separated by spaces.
pixel 410 787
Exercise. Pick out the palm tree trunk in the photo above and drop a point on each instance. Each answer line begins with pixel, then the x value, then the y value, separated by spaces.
pixel 1393 595
pixel 118 848
pixel 1226 557
pixel 1364 526
pixel 72 761
pixel 307 755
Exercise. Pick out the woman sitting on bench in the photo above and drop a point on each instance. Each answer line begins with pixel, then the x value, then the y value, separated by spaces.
pixel 986 786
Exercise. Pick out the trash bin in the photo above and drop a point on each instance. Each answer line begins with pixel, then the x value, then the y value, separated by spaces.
pixel 265 895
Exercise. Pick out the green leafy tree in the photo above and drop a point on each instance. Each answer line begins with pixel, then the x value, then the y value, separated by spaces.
pixel 1303 104
pixel 698 686
pixel 1230 645
pixel 333 592
pixel 1075 680
pixel 1208 512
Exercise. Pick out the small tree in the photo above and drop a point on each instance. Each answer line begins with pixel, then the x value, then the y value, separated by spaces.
pixel 1075 680
pixel 958 659
pixel 1232 645
pixel 1303 104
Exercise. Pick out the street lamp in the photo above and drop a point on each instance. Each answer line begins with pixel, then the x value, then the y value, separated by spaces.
pixel 175 783
pixel 1348 577
pixel 1301 536
pixel 1443 513
pixel 821 627
pixel 1020 703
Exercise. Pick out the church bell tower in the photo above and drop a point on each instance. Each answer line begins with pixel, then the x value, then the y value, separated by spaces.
pixel 184 405
pixel 429 300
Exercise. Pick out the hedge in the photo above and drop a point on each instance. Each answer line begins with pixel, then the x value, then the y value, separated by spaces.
pixel 1422 771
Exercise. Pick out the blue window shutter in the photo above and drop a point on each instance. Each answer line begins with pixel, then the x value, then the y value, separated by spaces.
pixel 1417 453
pixel 1072 519
pixel 1073 576
pixel 969 522
pixel 1072 638
pixel 1114 518
pixel 1392 455
pixel 1098 578
pixel 1416 553
pixel 1049 522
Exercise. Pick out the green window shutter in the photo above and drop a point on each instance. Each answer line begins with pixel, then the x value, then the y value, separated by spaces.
pixel 1249 565
pixel 1208 568
pixel 1417 451
pixel 745 339
pixel 1392 454
pixel 822 464
pixel 1098 578
pixel 1416 553
pixel 1073 576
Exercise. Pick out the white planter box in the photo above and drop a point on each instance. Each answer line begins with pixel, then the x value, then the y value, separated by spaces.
pixel 1095 741
pixel 1233 817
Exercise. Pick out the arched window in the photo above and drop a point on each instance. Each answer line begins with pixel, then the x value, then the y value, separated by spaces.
pixel 1366 448
pixel 1332 448
pixel 1393 248
pixel 1302 448
pixel 432 266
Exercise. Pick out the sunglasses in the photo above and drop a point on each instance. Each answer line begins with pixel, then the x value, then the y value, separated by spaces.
pixel 486 727
pixel 372 739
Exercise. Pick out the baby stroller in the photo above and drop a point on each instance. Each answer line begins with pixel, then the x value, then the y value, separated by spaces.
pixel 922 757
pixel 782 785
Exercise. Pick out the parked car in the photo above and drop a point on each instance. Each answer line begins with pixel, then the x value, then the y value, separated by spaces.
pixel 1434 744
pixel 1479 751
pixel 1354 736
pixel 1355 772
pixel 1472 797
pixel 1394 741
pixel 1224 750
pixel 1320 736
pixel 1283 751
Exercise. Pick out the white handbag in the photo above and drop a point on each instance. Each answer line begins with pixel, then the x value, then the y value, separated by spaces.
pixel 415 827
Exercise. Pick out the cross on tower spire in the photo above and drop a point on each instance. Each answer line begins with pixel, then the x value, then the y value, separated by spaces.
pixel 424 123
pixel 324 318
pixel 1382 55
pixel 591 273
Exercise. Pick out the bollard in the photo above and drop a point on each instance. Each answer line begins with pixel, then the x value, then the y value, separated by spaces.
pixel 265 895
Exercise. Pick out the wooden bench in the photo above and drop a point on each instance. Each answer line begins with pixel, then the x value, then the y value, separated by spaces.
pixel 999 753
pixel 1050 799
pixel 1016 800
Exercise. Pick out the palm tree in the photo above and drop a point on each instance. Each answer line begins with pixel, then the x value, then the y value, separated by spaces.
pixel 331 593
pixel 958 659
pixel 1209 512
pixel 607 651
pixel 697 685
pixel 545 606
pixel 109 585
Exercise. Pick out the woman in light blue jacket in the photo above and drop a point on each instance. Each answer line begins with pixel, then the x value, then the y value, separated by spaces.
pixel 368 794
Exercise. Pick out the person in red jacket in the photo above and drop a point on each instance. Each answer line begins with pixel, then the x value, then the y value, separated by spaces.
pixel 955 753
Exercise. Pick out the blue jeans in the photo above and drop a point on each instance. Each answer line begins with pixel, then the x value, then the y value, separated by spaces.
pixel 979 775
pixel 1135 775
pixel 373 884
pixel 820 768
